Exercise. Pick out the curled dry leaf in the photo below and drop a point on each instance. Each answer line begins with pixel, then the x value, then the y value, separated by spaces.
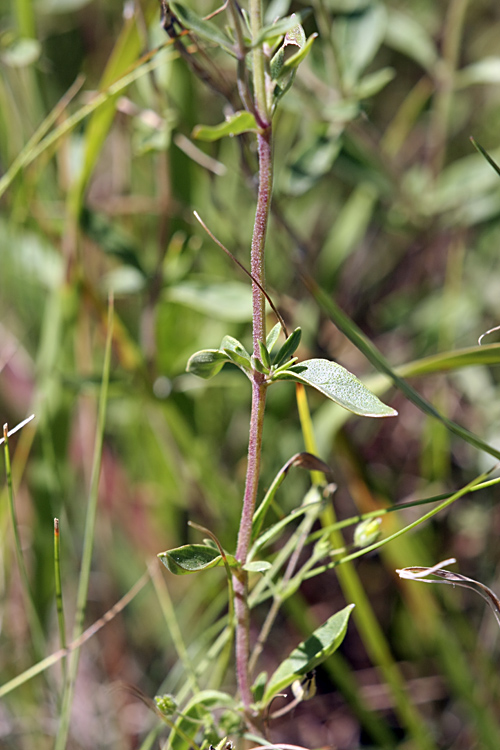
pixel 418 573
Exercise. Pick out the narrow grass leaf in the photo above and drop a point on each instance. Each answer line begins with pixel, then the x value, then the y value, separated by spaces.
pixel 204 29
pixel 354 334
pixel 88 541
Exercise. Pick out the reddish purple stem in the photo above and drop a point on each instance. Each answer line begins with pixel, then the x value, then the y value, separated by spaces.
pixel 256 418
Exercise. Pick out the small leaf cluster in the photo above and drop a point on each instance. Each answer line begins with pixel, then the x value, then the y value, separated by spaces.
pixel 330 378
pixel 285 45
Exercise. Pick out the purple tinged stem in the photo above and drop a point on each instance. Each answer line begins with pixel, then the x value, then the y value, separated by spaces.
pixel 256 418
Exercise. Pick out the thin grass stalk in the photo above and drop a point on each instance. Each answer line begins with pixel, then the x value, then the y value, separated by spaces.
pixel 35 626
pixel 168 612
pixel 41 666
pixel 58 588
pixel 440 119
pixel 88 542
pixel 35 147
pixel 368 626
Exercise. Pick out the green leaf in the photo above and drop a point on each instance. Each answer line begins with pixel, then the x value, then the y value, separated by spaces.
pixel 199 708
pixel 21 53
pixel 272 337
pixel 257 566
pixel 372 83
pixel 192 558
pixel 240 122
pixel 357 38
pixel 259 686
pixel 257 365
pixel 264 355
pixel 288 348
pixel 354 334
pixel 233 345
pixel 338 384
pixel 406 35
pixel 207 363
pixel 205 29
pixel 312 652
pixel 237 353
pixel 297 58
pixel 275 30
pixel 302 460
pixel 486 70
pixel 228 300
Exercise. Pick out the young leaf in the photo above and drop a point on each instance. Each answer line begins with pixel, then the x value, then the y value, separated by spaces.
pixel 272 337
pixel 198 709
pixel 259 686
pixel 192 558
pixel 257 566
pixel 288 347
pixel 275 30
pixel 228 300
pixel 264 355
pixel 295 60
pixel 207 363
pixel 240 122
pixel 205 29
pixel 241 362
pixel 257 365
pixel 372 83
pixel 230 344
pixel 236 353
pixel 312 652
pixel 338 384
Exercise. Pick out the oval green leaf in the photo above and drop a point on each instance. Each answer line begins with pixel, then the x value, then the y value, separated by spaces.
pixel 207 363
pixel 236 352
pixel 257 566
pixel 190 558
pixel 240 122
pixel 225 300
pixel 311 652
pixel 339 385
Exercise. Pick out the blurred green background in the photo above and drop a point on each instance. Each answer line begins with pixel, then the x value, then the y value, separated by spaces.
pixel 382 197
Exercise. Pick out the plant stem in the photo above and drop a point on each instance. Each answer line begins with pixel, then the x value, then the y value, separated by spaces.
pixel 256 418
pixel 259 65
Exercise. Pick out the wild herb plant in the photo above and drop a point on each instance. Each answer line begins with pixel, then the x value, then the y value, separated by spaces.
pixel 370 187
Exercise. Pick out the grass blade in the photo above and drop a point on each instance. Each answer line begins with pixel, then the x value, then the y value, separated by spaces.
pixel 355 335
pixel 32 615
pixel 88 542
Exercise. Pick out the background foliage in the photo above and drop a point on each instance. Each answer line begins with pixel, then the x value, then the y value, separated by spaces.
pixel 380 195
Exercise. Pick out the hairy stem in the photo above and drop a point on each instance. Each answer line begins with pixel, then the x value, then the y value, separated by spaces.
pixel 256 418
